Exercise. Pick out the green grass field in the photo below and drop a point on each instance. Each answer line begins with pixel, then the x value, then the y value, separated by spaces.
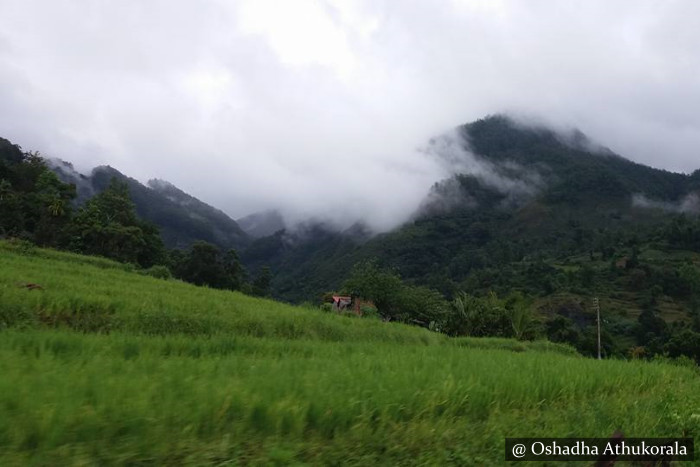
pixel 106 366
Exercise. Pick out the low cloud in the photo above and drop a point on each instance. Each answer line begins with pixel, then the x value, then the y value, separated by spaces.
pixel 688 204
pixel 451 151
pixel 317 108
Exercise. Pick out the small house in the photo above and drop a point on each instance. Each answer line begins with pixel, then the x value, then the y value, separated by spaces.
pixel 341 302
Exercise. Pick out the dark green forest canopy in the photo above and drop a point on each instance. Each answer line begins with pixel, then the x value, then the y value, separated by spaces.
pixel 181 218
pixel 34 204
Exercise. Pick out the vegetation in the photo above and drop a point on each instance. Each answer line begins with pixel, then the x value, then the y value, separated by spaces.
pixel 102 365
pixel 107 225
pixel 36 206
pixel 204 264
pixel 181 218
pixel 562 230
pixel 521 257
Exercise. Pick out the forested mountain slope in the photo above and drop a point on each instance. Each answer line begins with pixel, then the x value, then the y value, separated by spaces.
pixel 546 213
pixel 181 218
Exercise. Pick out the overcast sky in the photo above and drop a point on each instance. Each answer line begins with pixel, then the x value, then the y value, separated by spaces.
pixel 317 107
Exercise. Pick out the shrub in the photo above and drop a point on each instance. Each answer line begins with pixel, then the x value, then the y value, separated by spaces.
pixel 158 271
pixel 369 311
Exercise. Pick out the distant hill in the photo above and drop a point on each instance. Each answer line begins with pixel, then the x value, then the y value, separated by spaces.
pixel 519 194
pixel 181 218
pixel 306 257
pixel 530 210
pixel 261 224
pixel 574 169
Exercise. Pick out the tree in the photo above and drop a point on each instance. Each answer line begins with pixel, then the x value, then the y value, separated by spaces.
pixel 383 287
pixel 54 209
pixel 686 342
pixel 108 226
pixel 201 266
pixel 562 329
pixel 236 275
pixel 34 203
pixel 204 264
pixel 521 317
pixel 479 317
pixel 261 284
pixel 589 342
pixel 690 276
pixel 422 306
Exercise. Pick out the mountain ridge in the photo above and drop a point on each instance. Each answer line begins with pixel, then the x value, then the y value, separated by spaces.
pixel 181 218
pixel 531 191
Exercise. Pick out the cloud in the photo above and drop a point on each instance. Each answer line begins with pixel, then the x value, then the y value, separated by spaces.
pixel 453 154
pixel 320 108
pixel 688 204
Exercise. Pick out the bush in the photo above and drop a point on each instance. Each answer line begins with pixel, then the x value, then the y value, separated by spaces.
pixel 21 246
pixel 479 317
pixel 158 271
pixel 369 311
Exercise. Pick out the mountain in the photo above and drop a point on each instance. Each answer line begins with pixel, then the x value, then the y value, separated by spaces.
pixel 306 257
pixel 575 170
pixel 181 218
pixel 261 224
pixel 66 172
pixel 545 214
pixel 529 209
pixel 203 221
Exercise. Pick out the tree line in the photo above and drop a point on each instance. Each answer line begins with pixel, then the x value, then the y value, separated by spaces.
pixel 515 314
pixel 36 206
pixel 464 315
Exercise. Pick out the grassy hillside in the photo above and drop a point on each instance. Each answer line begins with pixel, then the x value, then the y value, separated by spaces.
pixel 103 365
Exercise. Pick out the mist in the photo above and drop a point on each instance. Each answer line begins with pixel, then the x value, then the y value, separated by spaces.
pixel 324 109
pixel 688 204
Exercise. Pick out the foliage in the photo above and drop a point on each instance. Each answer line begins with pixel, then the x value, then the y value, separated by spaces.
pixel 204 264
pixel 395 300
pixel 479 317
pixel 421 305
pixel 555 220
pixel 369 312
pixel 521 317
pixel 108 226
pixel 158 271
pixel 562 329
pixel 34 204
pixel 261 284
pixel 383 287
pixel 181 218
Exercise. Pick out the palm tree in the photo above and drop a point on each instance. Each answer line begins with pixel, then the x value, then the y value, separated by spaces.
pixel 56 206
pixel 521 319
